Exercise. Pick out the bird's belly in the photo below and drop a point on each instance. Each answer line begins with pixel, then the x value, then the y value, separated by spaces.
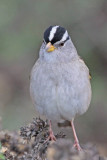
pixel 60 101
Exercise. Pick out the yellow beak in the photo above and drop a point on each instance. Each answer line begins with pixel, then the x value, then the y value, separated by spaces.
pixel 50 47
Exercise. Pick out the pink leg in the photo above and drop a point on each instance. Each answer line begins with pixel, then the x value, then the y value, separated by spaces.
pixel 51 134
pixel 76 144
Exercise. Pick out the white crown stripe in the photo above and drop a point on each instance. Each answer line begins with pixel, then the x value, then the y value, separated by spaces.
pixel 52 32
pixel 64 36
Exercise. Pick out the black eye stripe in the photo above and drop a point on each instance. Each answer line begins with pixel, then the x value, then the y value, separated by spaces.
pixel 66 39
pixel 62 43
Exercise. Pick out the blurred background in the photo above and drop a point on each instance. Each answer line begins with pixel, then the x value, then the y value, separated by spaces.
pixel 22 23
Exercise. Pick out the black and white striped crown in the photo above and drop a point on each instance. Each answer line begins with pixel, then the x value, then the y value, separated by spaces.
pixel 54 34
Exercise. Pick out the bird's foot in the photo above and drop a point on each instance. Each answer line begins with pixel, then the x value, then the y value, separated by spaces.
pixel 77 146
pixel 51 136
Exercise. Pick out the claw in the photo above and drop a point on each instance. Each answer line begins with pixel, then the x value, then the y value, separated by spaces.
pixel 77 146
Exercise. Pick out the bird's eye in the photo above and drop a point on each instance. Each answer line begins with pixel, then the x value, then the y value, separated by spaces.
pixel 61 44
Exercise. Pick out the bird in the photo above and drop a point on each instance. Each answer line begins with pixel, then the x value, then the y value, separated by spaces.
pixel 60 85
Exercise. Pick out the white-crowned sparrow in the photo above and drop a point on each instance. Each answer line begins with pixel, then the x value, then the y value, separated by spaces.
pixel 60 84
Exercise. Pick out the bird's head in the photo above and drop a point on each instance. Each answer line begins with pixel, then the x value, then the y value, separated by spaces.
pixel 57 43
pixel 54 37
